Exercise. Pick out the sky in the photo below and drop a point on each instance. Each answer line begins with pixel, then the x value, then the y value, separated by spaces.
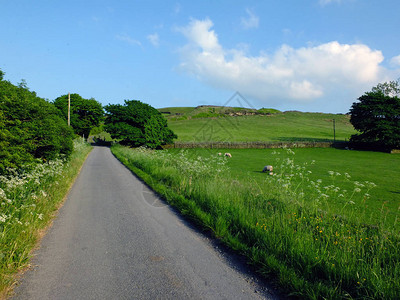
pixel 308 55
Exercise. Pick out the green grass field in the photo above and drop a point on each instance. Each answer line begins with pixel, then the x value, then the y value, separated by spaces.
pixel 382 169
pixel 278 127
pixel 317 235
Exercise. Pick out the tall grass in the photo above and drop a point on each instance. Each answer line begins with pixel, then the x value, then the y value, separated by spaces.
pixel 285 224
pixel 28 201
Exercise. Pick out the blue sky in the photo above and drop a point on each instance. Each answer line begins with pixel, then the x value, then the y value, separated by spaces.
pixel 309 55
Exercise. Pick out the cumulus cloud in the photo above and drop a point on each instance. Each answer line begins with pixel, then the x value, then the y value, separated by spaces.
pixel 250 21
pixel 299 75
pixel 154 39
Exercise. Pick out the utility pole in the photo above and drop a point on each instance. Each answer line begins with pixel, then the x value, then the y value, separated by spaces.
pixel 69 109
pixel 334 131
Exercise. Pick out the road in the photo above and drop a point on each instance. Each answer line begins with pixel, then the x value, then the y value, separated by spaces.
pixel 115 239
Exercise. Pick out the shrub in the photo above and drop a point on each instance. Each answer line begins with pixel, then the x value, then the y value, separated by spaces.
pixel 30 128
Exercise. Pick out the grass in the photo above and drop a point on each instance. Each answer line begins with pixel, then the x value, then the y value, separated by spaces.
pixel 29 201
pixel 383 169
pixel 278 127
pixel 311 238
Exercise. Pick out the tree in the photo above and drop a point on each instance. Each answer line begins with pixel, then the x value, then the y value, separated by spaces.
pixel 377 116
pixel 30 127
pixel 391 88
pixel 85 113
pixel 137 124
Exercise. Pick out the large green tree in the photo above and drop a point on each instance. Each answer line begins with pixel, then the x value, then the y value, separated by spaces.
pixel 137 124
pixel 376 116
pixel 30 127
pixel 85 113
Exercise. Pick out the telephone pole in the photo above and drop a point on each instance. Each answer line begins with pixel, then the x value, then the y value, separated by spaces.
pixel 334 130
pixel 69 109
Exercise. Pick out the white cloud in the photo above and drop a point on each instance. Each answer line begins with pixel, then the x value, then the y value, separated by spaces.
pixel 325 2
pixel 126 38
pixel 154 39
pixel 251 21
pixel 395 61
pixel 297 75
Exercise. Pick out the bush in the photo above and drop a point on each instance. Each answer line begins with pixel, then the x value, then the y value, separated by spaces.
pixel 30 128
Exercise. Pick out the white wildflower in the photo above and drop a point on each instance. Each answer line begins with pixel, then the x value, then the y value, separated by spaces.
pixel 3 218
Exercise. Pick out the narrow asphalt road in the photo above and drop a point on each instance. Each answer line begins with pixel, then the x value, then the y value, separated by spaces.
pixel 114 239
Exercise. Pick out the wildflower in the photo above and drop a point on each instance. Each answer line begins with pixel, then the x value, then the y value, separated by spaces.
pixel 331 173
pixel 3 218
pixel 357 190
pixel 40 216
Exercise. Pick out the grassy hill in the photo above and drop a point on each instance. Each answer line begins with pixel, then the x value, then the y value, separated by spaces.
pixel 216 123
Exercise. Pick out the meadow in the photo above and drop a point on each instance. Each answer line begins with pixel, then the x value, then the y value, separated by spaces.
pixel 331 167
pixel 29 200
pixel 276 127
pixel 325 225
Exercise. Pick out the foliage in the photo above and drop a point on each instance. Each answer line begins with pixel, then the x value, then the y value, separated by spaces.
pixel 377 116
pixel 30 128
pixel 85 113
pixel 137 124
pixel 391 88
pixel 28 200
pixel 285 223
pixel 267 111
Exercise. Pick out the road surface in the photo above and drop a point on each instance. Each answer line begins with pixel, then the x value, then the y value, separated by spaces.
pixel 115 239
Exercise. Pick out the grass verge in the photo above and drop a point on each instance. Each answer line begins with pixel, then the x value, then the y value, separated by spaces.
pixel 29 201
pixel 285 226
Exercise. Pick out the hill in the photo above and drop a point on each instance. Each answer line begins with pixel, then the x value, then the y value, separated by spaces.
pixel 234 124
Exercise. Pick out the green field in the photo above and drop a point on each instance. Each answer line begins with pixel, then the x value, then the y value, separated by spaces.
pixel 276 127
pixel 317 235
pixel 382 169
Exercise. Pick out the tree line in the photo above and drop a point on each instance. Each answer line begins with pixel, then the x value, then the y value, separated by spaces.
pixel 34 129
